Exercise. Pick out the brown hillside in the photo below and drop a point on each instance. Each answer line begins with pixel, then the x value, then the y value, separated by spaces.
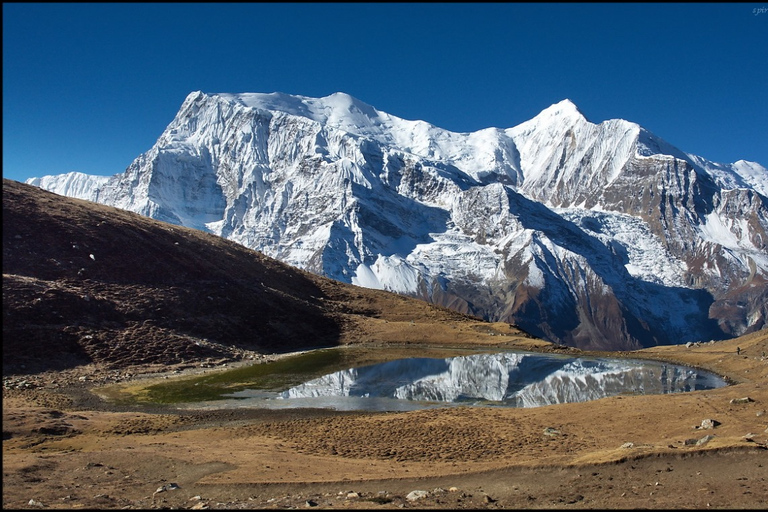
pixel 87 283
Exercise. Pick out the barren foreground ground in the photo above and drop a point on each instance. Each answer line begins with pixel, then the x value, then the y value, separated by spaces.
pixel 63 447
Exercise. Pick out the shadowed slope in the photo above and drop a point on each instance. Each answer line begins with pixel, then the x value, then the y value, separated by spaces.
pixel 83 282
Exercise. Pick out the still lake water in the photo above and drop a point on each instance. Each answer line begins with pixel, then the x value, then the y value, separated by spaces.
pixel 504 379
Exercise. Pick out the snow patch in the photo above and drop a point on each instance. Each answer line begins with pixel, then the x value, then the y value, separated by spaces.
pixel 366 278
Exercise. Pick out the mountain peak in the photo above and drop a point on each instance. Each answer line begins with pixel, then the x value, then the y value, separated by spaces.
pixel 564 108
pixel 345 102
pixel 567 103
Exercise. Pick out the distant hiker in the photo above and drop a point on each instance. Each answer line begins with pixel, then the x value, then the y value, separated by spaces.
pixel 738 350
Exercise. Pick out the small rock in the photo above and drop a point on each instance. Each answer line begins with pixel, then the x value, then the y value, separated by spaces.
pixel 34 503
pixel 310 503
pixel 167 487
pixel 488 499
pixel 416 495
pixel 549 431
pixel 689 344
pixel 709 424
pixel 201 505
pixel 628 445
pixel 453 489
pixel 352 495
pixel 704 440
pixel 743 400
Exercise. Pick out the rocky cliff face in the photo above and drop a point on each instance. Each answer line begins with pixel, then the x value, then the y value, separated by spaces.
pixel 594 235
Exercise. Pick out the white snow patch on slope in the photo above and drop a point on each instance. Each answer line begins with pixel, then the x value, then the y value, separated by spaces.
pixel 535 277
pixel 754 174
pixel 72 184
pixel 366 278
pixel 721 231
pixel 740 174
pixel 715 230
pixel 395 274
pixel 630 238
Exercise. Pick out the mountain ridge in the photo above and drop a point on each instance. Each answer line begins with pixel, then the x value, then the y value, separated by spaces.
pixel 336 187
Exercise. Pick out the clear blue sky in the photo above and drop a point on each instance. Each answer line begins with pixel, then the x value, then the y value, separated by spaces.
pixel 89 87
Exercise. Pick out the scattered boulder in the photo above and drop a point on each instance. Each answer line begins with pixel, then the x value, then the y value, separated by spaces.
pixel 743 400
pixel 628 445
pixel 552 432
pixel 416 495
pixel 708 424
pixel 167 487
pixel 699 442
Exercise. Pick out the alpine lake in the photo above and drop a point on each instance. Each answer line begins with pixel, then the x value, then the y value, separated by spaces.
pixel 403 378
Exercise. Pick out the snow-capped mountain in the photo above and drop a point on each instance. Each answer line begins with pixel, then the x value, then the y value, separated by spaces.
pixel 591 235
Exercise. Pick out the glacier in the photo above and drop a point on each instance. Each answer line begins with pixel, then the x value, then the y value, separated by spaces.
pixel 595 235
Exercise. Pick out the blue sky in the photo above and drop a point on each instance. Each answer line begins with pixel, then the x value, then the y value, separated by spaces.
pixel 89 87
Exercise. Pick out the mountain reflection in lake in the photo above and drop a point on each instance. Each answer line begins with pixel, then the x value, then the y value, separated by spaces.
pixel 511 379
